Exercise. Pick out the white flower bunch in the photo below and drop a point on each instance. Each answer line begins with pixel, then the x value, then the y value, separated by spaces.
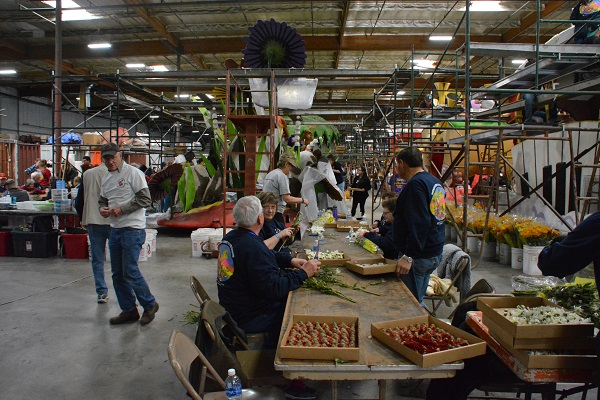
pixel 325 254
pixel 544 315
pixel 316 229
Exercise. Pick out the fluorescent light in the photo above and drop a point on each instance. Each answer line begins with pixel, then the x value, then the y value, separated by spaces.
pixel 138 65
pixel 72 15
pixel 485 6
pixel 440 38
pixel 182 96
pixel 158 68
pixel 7 71
pixel 154 116
pixel 518 61
pixel 400 93
pixel 96 46
pixel 423 63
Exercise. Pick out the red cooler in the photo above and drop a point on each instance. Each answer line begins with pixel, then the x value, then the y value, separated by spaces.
pixel 6 244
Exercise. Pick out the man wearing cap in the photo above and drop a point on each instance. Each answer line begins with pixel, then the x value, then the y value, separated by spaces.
pixel 14 191
pixel 123 198
pixel 277 182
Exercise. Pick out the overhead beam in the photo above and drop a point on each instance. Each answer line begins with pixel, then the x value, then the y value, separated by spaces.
pixel 530 20
pixel 235 45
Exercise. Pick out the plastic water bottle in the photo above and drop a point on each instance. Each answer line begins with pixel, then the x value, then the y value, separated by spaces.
pixel 334 211
pixel 233 386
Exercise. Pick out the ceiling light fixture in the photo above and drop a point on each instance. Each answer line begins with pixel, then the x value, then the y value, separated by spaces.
pixel 182 96
pixel 74 11
pixel 158 68
pixel 102 45
pixel 423 63
pixel 134 65
pixel 440 38
pixel 7 71
pixel 519 61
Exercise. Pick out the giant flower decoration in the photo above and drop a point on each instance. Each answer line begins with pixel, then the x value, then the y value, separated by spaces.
pixel 272 44
pixel 165 181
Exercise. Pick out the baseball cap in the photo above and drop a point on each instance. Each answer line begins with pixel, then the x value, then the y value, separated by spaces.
pixel 109 149
pixel 292 161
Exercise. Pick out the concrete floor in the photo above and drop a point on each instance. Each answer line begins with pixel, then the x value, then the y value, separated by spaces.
pixel 56 342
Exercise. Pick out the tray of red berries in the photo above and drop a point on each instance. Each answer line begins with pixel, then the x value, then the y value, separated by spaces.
pixel 427 341
pixel 320 337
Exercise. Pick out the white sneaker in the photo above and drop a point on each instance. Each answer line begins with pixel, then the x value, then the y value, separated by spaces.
pixel 102 298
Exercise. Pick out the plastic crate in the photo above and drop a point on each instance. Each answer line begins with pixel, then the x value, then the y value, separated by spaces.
pixel 6 244
pixel 35 244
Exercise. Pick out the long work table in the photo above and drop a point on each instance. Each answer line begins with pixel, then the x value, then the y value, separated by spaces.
pixel 376 360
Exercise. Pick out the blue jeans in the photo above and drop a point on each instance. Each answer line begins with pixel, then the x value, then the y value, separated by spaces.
pixel 125 245
pixel 98 235
pixel 417 278
pixel 269 323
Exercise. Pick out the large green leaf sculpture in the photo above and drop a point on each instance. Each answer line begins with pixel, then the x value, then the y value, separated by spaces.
pixel 327 134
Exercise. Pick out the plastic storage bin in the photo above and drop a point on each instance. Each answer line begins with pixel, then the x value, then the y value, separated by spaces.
pixel 6 244
pixel 35 244
pixel 75 245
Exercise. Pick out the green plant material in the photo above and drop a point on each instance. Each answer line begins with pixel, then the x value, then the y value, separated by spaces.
pixel 181 190
pixel 262 146
pixel 208 165
pixel 327 276
pixel 581 298
pixel 190 190
pixel 339 361
pixel 315 283
pixel 295 227
pixel 191 317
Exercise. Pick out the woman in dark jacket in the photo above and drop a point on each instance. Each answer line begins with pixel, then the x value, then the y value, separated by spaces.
pixel 360 191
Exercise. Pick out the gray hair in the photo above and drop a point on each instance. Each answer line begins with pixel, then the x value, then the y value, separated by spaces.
pixel 29 182
pixel 246 211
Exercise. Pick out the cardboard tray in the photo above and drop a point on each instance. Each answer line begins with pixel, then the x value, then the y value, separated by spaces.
pixel 476 347
pixel 492 308
pixel 330 225
pixel 344 226
pixel 554 361
pixel 320 353
pixel 337 262
pixel 390 266
pixel 512 343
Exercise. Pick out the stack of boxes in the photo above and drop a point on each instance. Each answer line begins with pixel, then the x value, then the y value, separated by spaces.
pixel 60 195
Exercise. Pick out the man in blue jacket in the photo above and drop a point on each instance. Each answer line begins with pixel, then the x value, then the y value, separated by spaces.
pixel 252 280
pixel 418 222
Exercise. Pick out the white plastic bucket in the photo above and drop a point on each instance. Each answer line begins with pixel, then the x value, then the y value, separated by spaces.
pixel 144 252
pixel 530 259
pixel 214 239
pixel 200 240
pixel 504 254
pixel 473 244
pixel 151 235
pixel 516 258
pixel 489 251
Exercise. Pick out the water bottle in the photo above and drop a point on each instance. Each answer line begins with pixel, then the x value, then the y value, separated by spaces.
pixel 233 386
pixel 334 211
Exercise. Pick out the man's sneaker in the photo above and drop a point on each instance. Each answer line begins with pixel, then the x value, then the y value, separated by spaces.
pixel 102 298
pixel 148 315
pixel 297 390
pixel 125 317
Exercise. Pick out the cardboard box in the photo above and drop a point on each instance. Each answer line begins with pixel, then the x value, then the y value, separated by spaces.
pixel 553 361
pixel 330 225
pixel 475 348
pixel 320 353
pixel 337 262
pixel 90 139
pixel 510 342
pixel 376 268
pixel 539 336
pixel 344 226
